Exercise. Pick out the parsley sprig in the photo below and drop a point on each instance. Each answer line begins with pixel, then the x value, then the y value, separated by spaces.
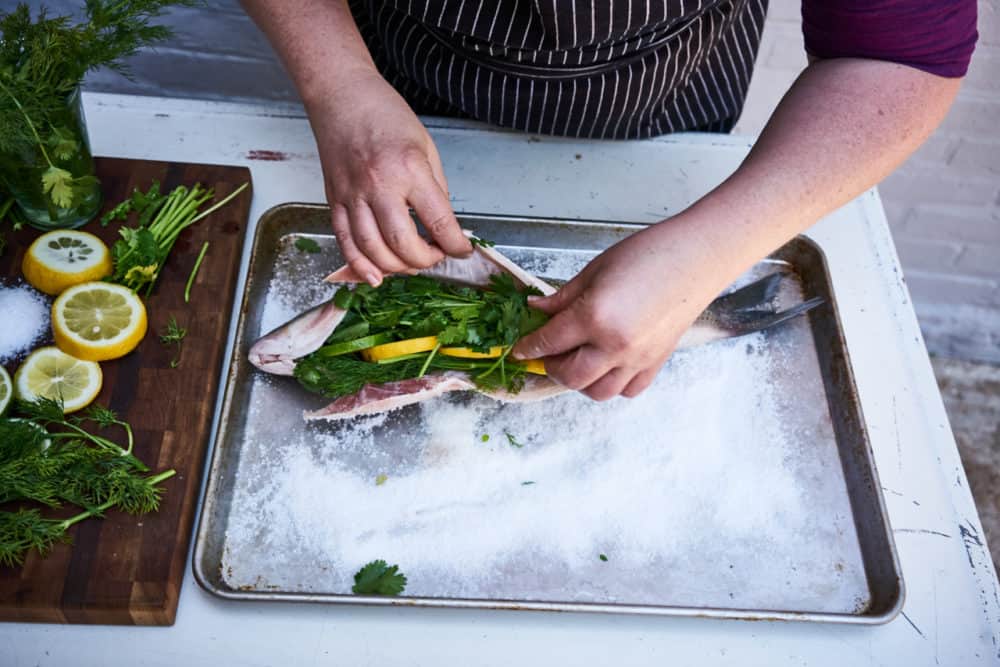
pixel 379 578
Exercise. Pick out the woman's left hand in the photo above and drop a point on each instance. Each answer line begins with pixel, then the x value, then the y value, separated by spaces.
pixel 615 324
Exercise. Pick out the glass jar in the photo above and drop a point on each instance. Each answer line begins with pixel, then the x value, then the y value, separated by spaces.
pixel 52 180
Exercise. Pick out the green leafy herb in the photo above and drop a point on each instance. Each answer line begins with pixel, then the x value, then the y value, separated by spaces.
pixel 50 459
pixel 306 244
pixel 142 250
pixel 512 440
pixel 603 558
pixel 482 243
pixel 485 437
pixel 43 60
pixel 173 334
pixel 381 479
pixel 378 578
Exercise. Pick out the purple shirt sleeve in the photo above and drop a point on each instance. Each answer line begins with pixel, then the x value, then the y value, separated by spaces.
pixel 933 36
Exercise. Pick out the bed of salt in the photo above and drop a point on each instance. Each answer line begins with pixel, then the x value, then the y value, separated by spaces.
pixel 698 493
pixel 25 313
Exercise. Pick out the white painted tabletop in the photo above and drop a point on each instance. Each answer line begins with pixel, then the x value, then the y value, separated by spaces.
pixel 951 614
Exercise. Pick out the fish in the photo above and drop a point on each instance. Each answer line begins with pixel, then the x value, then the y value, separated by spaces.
pixel 741 311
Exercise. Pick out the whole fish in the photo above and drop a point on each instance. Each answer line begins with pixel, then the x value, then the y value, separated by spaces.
pixel 742 311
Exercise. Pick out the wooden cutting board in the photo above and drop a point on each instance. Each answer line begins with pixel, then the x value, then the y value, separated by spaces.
pixel 125 569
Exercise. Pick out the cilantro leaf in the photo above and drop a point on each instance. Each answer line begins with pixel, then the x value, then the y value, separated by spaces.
pixel 58 184
pixel 378 578
pixel 306 245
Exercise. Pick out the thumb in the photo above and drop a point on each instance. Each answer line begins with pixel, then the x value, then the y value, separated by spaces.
pixel 550 305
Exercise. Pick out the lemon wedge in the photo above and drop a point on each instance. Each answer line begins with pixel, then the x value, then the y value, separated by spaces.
pixel 63 258
pixel 98 321
pixel 6 391
pixel 49 372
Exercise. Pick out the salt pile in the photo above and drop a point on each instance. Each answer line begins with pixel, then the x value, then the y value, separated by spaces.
pixel 24 319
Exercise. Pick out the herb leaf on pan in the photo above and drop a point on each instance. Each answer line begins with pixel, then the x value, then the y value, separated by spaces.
pixel 379 578
pixel 306 245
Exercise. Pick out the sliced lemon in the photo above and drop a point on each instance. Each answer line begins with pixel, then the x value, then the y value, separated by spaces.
pixel 468 353
pixel 6 390
pixel 48 372
pixel 63 258
pixel 536 366
pixel 98 321
pixel 399 348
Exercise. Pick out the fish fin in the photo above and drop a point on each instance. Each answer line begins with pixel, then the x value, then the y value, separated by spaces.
pixel 758 295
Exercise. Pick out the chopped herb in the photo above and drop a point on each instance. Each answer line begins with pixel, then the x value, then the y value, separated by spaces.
pixel 381 479
pixel 482 243
pixel 378 578
pixel 174 335
pixel 603 557
pixel 526 483
pixel 513 440
pixel 485 437
pixel 306 245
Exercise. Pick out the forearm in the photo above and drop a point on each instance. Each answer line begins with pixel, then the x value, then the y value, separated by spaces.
pixel 842 127
pixel 317 40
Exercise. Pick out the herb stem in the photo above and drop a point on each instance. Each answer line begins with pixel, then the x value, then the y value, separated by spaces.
pixel 194 272
pixel 427 361
pixel 31 125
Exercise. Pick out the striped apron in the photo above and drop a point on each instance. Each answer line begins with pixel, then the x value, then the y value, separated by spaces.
pixel 619 69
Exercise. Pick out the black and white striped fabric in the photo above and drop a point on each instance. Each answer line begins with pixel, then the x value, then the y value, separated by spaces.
pixel 619 69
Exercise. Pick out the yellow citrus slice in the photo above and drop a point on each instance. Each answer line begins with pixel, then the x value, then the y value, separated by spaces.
pixel 467 353
pixel 98 321
pixel 536 366
pixel 399 348
pixel 49 372
pixel 6 391
pixel 63 258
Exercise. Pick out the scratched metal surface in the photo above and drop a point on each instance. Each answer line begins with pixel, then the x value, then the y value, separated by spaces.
pixel 831 559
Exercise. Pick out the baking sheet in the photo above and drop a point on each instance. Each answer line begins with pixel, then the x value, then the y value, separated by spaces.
pixel 740 485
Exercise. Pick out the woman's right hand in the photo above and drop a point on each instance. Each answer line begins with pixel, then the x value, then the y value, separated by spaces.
pixel 378 162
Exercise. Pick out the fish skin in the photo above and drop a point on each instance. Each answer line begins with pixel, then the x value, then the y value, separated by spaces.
pixel 276 352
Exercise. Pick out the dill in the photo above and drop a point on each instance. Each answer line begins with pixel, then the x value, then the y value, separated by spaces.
pixel 174 334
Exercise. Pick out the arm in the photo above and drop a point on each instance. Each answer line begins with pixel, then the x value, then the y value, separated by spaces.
pixel 378 159
pixel 842 127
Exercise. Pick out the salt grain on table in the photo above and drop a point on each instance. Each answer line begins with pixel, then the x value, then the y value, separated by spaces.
pixel 25 315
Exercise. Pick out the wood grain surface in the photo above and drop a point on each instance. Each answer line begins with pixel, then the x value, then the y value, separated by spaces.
pixel 125 569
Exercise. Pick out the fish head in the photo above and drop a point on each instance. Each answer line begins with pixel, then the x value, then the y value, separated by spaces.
pixel 277 352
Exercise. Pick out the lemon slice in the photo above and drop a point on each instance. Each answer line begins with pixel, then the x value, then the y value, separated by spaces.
pixel 399 348
pixel 98 321
pixel 50 373
pixel 6 391
pixel 468 353
pixel 63 258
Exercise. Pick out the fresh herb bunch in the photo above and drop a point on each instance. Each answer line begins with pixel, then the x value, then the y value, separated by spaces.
pixel 410 307
pixel 42 61
pixel 174 334
pixel 142 250
pixel 50 459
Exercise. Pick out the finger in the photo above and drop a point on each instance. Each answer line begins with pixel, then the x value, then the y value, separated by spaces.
pixel 360 264
pixel 437 170
pixel 368 237
pixel 560 334
pixel 580 368
pixel 609 386
pixel 435 214
pixel 640 383
pixel 550 305
pixel 400 234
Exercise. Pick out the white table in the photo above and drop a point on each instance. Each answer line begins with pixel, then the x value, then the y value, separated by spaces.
pixel 952 610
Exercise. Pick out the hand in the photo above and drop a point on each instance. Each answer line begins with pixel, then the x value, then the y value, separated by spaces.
pixel 379 161
pixel 615 324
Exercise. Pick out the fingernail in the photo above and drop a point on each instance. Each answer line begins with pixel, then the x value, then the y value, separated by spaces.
pixel 373 279
pixel 534 298
pixel 520 356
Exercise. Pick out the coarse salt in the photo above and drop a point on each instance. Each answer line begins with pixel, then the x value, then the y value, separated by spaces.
pixel 25 319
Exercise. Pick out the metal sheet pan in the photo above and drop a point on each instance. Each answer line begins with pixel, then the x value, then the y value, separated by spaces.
pixel 829 558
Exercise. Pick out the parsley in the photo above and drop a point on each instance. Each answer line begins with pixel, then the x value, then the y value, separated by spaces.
pixel 603 558
pixel 306 245
pixel 513 440
pixel 378 578
pixel 174 334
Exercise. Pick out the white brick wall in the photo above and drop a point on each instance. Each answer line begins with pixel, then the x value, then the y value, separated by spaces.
pixel 943 204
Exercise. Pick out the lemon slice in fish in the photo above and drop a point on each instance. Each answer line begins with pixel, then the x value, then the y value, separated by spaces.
pixel 50 373
pixel 6 391
pixel 98 321
pixel 63 258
